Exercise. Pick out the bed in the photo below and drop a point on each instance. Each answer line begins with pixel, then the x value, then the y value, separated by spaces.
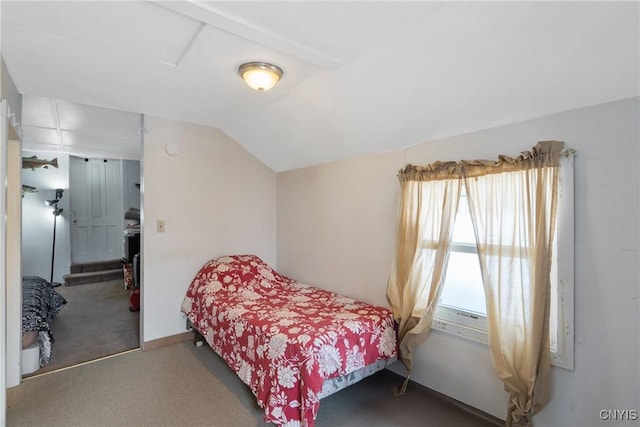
pixel 40 304
pixel 291 343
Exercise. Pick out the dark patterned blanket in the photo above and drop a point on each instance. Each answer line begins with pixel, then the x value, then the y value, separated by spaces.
pixel 40 304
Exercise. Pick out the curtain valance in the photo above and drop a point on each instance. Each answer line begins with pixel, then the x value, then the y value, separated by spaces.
pixel 544 154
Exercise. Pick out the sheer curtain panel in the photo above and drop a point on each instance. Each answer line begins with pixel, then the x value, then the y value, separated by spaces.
pixel 428 204
pixel 513 205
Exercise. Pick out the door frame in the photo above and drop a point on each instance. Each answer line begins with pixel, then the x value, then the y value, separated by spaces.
pixel 4 304
pixel 10 289
pixel 14 259
pixel 14 325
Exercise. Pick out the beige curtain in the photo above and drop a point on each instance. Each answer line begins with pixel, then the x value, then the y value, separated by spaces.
pixel 513 208
pixel 428 204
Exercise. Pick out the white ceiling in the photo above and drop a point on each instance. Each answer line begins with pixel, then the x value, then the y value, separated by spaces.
pixel 53 125
pixel 360 77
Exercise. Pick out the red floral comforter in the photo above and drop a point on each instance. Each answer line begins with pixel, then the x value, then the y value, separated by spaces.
pixel 284 338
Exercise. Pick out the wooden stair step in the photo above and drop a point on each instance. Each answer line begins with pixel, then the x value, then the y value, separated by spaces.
pixel 93 277
pixel 85 267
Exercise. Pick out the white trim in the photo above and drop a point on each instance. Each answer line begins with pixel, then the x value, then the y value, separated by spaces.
pixel 458 316
pixel 13 260
pixel 142 234
pixel 564 356
pixel 463 331
pixel 3 299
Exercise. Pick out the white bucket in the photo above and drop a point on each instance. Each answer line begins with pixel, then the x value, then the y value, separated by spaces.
pixel 30 359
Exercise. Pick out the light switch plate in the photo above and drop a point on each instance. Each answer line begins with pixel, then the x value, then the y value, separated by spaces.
pixel 160 226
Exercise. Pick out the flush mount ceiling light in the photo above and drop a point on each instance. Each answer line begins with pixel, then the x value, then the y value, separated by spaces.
pixel 260 76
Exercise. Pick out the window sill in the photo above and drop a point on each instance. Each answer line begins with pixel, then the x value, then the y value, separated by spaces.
pixel 463 331
pixel 482 337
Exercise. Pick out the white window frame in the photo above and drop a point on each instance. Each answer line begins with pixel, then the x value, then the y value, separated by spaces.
pixel 473 326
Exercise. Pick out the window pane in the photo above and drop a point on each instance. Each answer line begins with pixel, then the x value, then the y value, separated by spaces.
pixel 463 227
pixel 463 285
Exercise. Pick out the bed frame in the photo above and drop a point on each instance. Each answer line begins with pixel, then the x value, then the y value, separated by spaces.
pixel 330 386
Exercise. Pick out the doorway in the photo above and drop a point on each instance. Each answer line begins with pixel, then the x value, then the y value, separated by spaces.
pixel 88 273
pixel 94 183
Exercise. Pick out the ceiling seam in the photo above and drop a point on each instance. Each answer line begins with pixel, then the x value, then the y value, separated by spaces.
pixel 56 119
pixel 190 43
pixel 134 55
pixel 245 29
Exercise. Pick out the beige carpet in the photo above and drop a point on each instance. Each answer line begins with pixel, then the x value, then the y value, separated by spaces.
pixel 95 322
pixel 182 385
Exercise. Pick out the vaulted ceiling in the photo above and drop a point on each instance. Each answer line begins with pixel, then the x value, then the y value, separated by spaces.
pixel 360 77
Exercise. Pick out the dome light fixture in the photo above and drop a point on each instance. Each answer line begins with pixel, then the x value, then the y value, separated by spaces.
pixel 260 76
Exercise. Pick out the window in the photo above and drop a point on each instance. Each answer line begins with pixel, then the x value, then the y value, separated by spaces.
pixel 462 297
pixel 461 309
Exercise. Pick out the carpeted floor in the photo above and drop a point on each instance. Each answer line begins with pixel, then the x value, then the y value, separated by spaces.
pixel 95 322
pixel 181 385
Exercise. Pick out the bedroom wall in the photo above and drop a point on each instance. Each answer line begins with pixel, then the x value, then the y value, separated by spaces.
pixel 37 219
pixel 215 199
pixel 336 229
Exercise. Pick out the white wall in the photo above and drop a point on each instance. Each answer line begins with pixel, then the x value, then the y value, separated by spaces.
pixel 215 199
pixel 336 229
pixel 13 97
pixel 336 225
pixel 37 219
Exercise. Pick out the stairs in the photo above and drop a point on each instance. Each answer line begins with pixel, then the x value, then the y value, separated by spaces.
pixel 92 272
